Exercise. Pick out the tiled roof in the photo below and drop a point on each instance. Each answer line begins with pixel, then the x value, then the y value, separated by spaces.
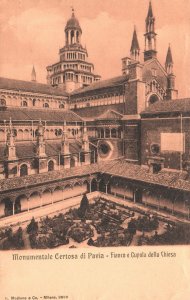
pixel 110 115
pixel 179 105
pixel 28 149
pixel 93 112
pixel 119 168
pixel 54 148
pixel 171 179
pixel 25 150
pixel 102 84
pixel 32 180
pixel 29 86
pixel 23 114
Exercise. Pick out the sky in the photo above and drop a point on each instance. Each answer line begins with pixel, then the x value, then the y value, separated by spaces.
pixel 32 31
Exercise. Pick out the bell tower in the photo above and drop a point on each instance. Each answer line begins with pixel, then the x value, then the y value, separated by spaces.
pixel 73 70
pixel 150 35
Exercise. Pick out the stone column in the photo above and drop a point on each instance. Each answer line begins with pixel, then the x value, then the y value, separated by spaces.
pixel 159 202
pixel 173 204
pixel 13 207
pixel 134 195
pixel 90 185
pixel 52 197
pixel 28 204
pixel 41 200
pixel 106 188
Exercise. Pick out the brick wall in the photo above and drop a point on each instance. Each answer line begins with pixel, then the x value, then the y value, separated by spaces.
pixel 151 130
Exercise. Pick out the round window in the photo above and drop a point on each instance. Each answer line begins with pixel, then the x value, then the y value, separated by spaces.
pixel 155 148
pixel 104 148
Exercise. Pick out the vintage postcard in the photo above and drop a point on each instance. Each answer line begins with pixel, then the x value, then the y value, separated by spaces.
pixel 94 149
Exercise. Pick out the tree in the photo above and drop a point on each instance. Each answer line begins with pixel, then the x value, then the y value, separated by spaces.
pixel 132 227
pixel 84 205
pixel 32 227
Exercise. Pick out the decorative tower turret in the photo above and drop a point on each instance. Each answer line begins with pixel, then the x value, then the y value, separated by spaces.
pixel 65 141
pixel 150 35
pixel 10 146
pixel 171 92
pixel 41 149
pixel 85 146
pixel 65 152
pixel 85 140
pixel 11 163
pixel 73 71
pixel 135 49
pixel 33 75
pixel 40 141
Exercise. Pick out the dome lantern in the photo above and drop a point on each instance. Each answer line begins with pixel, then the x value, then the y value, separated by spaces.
pixel 73 30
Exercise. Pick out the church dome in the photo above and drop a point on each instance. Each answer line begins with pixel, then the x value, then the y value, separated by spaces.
pixel 73 23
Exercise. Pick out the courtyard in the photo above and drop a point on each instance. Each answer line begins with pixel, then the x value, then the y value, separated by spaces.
pixel 95 220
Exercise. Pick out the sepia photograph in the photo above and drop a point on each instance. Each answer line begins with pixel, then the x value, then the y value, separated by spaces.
pixel 94 124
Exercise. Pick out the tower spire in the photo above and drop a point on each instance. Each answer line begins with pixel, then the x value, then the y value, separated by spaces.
pixel 169 61
pixel 150 35
pixel 33 75
pixel 150 12
pixel 135 49
pixel 73 11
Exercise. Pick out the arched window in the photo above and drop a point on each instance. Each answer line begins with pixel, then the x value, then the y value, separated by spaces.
pixel 2 102
pixel 23 170
pixel 58 132
pixel 50 166
pixel 153 99
pixel 24 103
pixel 15 132
pixel 72 37
pixel 77 37
pixel 36 132
pixel 46 105
pixel 102 133
pixel 119 133
pixel 113 133
pixel 61 106
pixel 34 102
pixel 107 133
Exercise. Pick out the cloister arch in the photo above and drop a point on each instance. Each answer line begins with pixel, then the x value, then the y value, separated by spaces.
pixel 35 200
pixel 8 207
pixel 94 185
pixel 46 197
pixel 102 185
pixel 22 203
